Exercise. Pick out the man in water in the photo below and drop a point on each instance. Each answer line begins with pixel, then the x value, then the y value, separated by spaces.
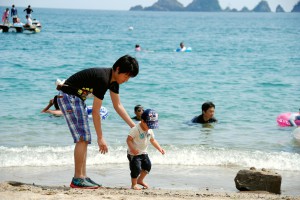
pixel 137 47
pixel 207 116
pixel 182 47
pixel 138 111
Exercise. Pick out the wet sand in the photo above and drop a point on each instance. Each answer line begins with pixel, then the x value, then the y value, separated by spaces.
pixel 165 182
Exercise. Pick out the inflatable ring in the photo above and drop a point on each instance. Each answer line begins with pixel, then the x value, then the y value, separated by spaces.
pixel 103 112
pixel 188 49
pixel 284 119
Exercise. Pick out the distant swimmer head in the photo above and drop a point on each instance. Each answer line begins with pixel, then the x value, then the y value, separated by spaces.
pixel 137 47
pixel 181 44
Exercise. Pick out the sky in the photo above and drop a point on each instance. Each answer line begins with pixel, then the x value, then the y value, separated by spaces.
pixel 126 4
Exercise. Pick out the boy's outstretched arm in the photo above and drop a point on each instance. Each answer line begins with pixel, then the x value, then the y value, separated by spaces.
pixel 157 146
pixel 115 98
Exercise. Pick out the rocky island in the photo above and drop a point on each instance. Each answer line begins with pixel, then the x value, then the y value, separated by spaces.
pixel 207 6
pixel 296 7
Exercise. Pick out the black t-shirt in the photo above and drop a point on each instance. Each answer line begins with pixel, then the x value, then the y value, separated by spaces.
pixel 200 120
pixel 93 80
pixel 135 117
pixel 28 10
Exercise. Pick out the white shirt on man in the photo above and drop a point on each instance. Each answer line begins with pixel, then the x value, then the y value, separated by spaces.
pixel 29 21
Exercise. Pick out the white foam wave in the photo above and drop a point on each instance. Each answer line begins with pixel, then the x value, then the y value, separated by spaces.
pixel 186 156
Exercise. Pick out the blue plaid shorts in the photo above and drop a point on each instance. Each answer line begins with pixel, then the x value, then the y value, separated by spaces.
pixel 76 116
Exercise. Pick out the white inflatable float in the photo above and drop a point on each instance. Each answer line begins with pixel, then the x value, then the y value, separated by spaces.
pixel 103 112
pixel 188 49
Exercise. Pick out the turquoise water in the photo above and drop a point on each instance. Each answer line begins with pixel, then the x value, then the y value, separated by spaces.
pixel 246 63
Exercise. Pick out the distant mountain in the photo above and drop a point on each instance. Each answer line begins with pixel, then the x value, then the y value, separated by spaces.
pixel 279 9
pixel 174 5
pixel 245 9
pixel 296 7
pixel 204 6
pixel 262 6
pixel 165 5
pixel 227 9
pixel 230 10
pixel 136 8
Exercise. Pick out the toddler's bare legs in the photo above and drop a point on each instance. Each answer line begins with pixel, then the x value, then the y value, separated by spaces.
pixel 140 179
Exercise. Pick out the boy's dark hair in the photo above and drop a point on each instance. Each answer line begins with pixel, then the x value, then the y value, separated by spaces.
pixel 137 107
pixel 127 65
pixel 207 105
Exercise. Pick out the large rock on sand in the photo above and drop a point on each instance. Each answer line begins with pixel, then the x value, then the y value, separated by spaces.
pixel 258 180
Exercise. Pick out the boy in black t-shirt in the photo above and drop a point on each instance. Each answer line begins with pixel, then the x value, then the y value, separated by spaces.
pixel 74 91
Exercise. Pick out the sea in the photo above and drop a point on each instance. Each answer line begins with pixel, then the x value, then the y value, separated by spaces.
pixel 247 64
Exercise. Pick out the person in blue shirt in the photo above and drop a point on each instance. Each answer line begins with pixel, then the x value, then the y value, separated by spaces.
pixel 14 13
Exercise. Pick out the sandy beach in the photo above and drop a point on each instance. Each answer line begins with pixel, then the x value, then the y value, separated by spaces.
pixel 15 190
pixel 183 183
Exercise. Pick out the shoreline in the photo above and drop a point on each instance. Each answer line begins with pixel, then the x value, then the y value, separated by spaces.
pixel 190 182
pixel 15 190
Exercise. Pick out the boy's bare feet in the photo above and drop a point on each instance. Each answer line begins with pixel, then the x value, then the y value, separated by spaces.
pixel 142 183
pixel 135 187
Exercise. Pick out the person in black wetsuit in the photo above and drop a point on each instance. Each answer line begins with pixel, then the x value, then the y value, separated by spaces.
pixel 207 116
pixel 138 111
pixel 28 11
